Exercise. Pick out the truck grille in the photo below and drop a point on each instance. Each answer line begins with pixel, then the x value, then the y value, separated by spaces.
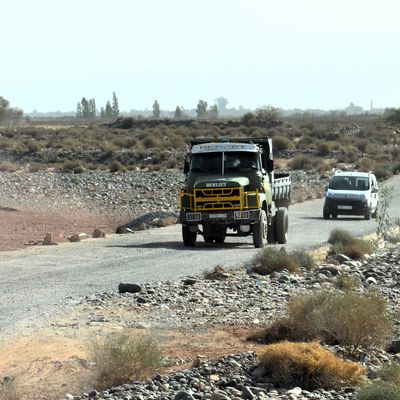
pixel 210 199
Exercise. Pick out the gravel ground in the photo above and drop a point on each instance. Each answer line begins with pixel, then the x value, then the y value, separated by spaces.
pixel 236 298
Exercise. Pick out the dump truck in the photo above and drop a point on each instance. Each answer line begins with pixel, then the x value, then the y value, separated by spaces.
pixel 231 189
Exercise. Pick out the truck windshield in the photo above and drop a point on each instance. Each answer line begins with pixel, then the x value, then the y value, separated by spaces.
pixel 234 161
pixel 349 183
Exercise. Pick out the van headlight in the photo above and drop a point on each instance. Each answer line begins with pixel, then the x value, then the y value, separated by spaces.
pixel 363 197
pixel 330 194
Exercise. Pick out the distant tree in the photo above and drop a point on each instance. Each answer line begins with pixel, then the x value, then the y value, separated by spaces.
pixel 156 109
pixel 85 108
pixel 392 115
pixel 102 112
pixel 78 110
pixel 8 113
pixel 267 117
pixel 213 111
pixel 115 106
pixel 178 112
pixel 222 102
pixel 201 109
pixel 92 108
pixel 109 110
pixel 352 109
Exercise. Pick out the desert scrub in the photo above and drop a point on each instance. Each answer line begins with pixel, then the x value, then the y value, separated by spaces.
pixel 77 167
pixel 354 320
pixel 11 388
pixel 269 260
pixel 347 282
pixel 120 358
pixel 308 365
pixel 379 391
pixel 343 242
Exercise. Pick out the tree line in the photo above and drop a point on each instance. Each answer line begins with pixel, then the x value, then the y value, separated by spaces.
pixel 86 109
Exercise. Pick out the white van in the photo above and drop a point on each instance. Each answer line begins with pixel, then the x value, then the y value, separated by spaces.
pixel 351 193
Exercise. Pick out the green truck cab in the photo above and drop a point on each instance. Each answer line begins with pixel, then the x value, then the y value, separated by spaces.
pixel 232 190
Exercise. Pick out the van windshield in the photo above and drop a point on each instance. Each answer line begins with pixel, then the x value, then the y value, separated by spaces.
pixel 349 183
pixel 234 161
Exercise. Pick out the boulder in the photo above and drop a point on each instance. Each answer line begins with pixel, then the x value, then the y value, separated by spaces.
pixel 129 288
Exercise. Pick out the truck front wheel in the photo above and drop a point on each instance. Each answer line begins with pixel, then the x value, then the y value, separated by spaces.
pixel 260 231
pixel 282 225
pixel 189 238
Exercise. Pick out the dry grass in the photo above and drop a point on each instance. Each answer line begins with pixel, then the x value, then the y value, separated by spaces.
pixel 120 358
pixel 308 365
pixel 354 320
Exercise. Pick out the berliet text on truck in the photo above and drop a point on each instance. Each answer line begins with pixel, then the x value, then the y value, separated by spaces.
pixel 232 190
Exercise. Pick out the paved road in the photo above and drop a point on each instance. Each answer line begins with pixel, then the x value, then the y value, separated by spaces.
pixel 35 281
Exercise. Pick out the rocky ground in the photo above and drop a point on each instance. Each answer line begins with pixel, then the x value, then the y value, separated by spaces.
pixel 192 317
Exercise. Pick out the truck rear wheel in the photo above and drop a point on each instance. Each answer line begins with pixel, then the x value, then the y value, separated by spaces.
pixel 271 236
pixel 220 239
pixel 260 231
pixel 208 239
pixel 189 238
pixel 282 225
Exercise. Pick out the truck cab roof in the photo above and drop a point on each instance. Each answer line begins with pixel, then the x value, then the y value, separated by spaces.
pixel 213 147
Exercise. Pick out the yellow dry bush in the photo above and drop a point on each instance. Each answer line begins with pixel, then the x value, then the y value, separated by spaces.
pixel 308 365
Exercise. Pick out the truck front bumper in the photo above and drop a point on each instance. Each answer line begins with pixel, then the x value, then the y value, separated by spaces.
pixel 223 217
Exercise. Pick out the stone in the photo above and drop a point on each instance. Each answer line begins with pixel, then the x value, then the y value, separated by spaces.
pixel 74 238
pixel 129 288
pixel 97 233
pixel 121 230
pixel 49 240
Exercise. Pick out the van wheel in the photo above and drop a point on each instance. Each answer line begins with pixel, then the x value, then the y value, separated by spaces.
pixel 282 225
pixel 334 216
pixel 326 214
pixel 208 239
pixel 373 215
pixel 367 215
pixel 260 231
pixel 189 238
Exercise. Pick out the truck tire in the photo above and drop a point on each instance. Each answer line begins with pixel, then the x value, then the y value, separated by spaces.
pixel 271 234
pixel 282 225
pixel 189 238
pixel 220 239
pixel 260 231
pixel 208 239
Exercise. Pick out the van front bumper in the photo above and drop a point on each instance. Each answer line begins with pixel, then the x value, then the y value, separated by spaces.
pixel 337 206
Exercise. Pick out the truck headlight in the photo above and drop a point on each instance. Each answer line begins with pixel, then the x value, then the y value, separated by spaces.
pixel 241 215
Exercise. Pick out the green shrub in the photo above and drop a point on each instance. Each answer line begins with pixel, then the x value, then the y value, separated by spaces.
pixel 281 143
pixel 269 260
pixel 323 149
pixel 353 320
pixel 116 166
pixel 11 388
pixel 340 236
pixel 307 365
pixel 77 167
pixel 379 391
pixel 119 358
pixel 347 282
pixel 390 373
pixel 343 242
pixel 303 259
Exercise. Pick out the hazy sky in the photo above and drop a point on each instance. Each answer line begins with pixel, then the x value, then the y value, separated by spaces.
pixel 289 53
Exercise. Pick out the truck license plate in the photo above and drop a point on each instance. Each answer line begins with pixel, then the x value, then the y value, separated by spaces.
pixel 345 207
pixel 218 216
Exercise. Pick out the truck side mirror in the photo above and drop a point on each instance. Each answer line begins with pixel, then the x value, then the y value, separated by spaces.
pixel 186 167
